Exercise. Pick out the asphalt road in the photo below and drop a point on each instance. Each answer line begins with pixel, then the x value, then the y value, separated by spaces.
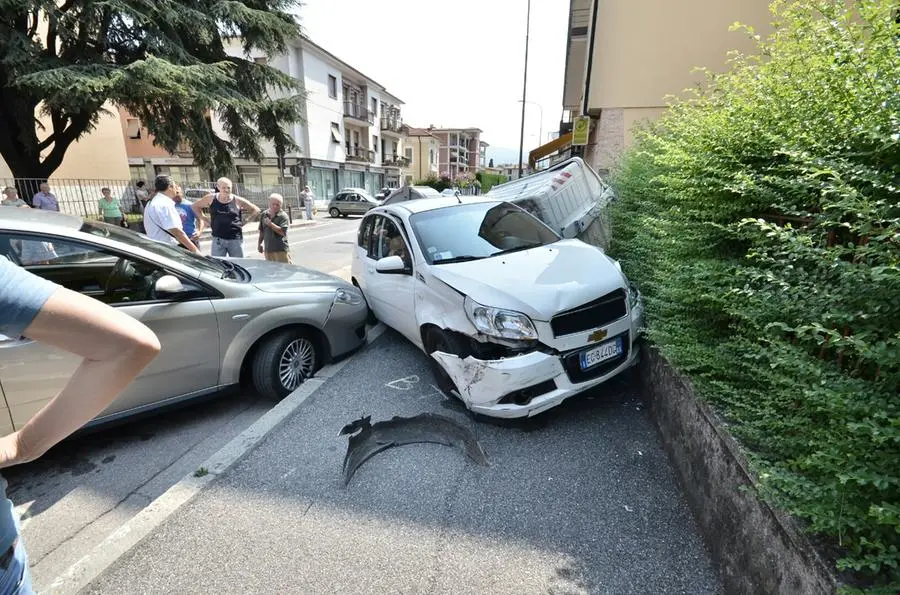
pixel 81 491
pixel 325 245
pixel 579 500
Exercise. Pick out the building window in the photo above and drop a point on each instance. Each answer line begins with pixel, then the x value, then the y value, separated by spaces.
pixel 374 143
pixel 137 172
pixel 335 133
pixel 332 86
pixel 430 156
pixel 374 107
pixel 261 60
pixel 133 128
pixel 408 152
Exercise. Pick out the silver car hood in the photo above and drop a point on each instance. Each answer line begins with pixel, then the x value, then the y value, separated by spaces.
pixel 277 277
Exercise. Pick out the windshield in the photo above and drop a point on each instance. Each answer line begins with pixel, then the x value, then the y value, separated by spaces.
pixel 480 230
pixel 173 252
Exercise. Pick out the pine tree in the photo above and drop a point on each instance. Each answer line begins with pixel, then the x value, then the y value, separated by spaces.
pixel 165 61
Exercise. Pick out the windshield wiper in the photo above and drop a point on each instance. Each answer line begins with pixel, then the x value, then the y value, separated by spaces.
pixel 519 249
pixel 230 269
pixel 466 258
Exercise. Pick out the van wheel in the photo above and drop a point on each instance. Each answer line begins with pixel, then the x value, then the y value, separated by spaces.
pixel 438 340
pixel 334 212
pixel 284 362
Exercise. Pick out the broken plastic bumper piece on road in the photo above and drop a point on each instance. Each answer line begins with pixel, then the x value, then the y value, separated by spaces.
pixel 528 384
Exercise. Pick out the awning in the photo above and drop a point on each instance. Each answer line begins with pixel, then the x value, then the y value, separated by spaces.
pixel 548 149
pixel 336 133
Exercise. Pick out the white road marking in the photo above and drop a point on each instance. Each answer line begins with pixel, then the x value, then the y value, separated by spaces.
pixel 405 383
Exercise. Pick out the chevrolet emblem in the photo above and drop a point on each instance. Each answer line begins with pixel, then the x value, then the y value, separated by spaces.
pixel 597 335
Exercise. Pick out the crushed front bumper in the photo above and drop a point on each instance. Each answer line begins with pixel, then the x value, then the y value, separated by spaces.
pixel 528 384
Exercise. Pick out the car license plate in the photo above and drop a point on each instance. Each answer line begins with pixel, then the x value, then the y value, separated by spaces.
pixel 598 355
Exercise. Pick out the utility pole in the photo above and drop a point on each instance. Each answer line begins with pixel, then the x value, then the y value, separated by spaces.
pixel 524 88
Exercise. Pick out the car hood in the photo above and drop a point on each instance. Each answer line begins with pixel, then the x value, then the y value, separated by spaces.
pixel 277 277
pixel 540 282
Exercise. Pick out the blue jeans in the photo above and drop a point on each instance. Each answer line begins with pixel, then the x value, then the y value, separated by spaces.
pixel 15 579
pixel 233 248
pixel 309 209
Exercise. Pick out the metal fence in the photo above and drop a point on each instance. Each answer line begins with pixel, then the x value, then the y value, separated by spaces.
pixel 81 196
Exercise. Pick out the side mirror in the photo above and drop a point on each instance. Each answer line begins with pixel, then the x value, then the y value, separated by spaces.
pixel 391 265
pixel 169 286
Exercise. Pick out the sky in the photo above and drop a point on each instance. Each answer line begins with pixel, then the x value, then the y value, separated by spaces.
pixel 455 63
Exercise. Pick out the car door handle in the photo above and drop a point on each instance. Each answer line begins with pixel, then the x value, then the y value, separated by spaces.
pixel 240 317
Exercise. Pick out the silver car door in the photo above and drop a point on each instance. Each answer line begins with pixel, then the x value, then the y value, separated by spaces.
pixel 188 362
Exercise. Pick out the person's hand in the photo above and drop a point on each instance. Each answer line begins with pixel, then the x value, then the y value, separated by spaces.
pixel 260 248
pixel 9 450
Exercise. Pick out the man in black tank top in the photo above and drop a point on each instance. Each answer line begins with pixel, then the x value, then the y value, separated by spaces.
pixel 226 219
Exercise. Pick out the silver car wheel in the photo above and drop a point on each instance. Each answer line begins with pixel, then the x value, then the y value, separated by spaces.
pixel 296 363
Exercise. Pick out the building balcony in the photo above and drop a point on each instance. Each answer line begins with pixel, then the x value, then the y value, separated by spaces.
pixel 360 154
pixel 359 112
pixel 395 161
pixel 392 124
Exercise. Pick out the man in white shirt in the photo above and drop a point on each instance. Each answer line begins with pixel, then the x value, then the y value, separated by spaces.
pixel 161 219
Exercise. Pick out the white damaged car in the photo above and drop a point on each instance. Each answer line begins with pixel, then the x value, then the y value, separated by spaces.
pixel 514 318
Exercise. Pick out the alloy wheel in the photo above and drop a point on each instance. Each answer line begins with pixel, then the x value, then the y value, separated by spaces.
pixel 297 363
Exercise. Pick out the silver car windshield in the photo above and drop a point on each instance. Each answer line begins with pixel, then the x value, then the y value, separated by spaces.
pixel 176 253
pixel 477 230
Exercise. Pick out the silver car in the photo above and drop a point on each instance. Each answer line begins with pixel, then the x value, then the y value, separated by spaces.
pixel 351 201
pixel 220 322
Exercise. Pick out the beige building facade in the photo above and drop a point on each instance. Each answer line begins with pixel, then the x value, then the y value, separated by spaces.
pixel 99 155
pixel 421 152
pixel 624 58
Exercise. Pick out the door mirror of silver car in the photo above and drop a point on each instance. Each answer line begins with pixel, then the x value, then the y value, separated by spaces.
pixel 169 286
pixel 391 265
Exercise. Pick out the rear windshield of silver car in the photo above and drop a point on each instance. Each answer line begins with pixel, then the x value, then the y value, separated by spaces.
pixel 478 230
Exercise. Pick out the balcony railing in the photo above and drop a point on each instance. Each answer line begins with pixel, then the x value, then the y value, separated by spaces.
pixel 395 161
pixel 360 154
pixel 359 112
pixel 392 124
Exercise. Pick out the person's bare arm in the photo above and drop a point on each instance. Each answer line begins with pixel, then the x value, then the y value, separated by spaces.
pixel 275 228
pixel 182 238
pixel 115 348
pixel 249 207
pixel 198 207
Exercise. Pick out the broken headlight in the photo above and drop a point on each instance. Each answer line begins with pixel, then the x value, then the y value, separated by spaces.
pixel 351 297
pixel 634 296
pixel 497 322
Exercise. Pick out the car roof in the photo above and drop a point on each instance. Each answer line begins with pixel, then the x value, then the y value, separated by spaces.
pixel 28 219
pixel 420 205
pixel 353 190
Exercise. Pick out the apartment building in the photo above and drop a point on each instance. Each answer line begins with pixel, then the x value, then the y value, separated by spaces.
pixel 421 153
pixel 461 150
pixel 353 134
pixel 624 58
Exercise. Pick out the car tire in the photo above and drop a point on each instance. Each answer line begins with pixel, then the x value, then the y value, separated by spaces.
pixel 284 362
pixel 438 340
pixel 334 212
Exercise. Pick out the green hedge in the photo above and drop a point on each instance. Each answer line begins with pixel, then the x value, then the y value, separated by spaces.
pixel 761 220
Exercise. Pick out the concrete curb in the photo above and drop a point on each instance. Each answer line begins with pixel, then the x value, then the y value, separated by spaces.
pixel 107 552
pixel 758 549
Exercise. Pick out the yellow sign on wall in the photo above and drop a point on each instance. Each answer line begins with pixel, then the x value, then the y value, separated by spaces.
pixel 581 129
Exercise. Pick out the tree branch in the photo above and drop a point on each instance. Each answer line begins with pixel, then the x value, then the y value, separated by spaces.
pixel 35 20
pixel 50 50
pixel 78 123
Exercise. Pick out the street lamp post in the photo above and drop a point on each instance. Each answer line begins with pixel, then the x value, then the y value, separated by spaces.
pixel 524 87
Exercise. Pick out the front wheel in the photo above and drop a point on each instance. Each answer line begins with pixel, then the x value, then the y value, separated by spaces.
pixel 283 362
pixel 334 212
